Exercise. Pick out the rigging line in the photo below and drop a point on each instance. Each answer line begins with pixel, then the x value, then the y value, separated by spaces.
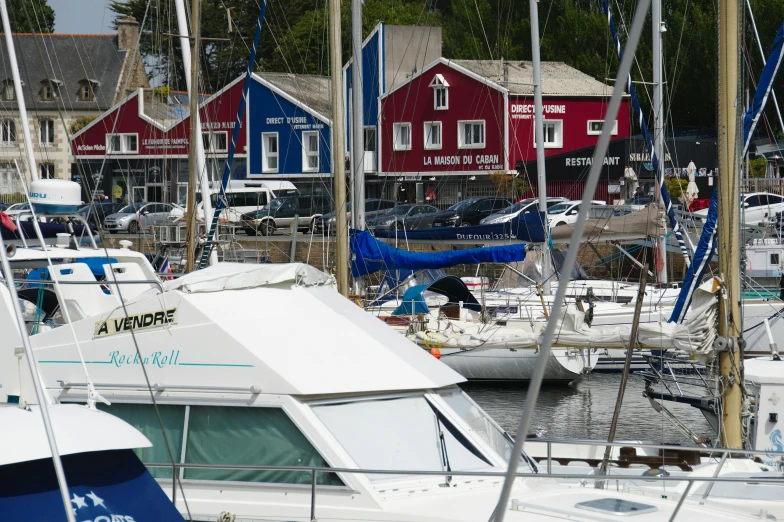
pixel 570 258
pixel 92 393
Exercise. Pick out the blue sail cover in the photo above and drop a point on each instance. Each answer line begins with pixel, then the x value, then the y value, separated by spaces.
pixel 665 194
pixel 372 255
pixel 528 227
pixel 702 256
pixel 105 486
pixel 769 72
pixel 708 239
pixel 26 229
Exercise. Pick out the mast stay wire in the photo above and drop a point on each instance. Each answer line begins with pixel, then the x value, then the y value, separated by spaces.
pixel 92 393
pixel 622 77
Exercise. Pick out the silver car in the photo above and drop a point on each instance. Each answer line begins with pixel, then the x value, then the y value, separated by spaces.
pixel 521 207
pixel 139 216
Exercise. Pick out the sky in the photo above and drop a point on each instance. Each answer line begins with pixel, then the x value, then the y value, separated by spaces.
pixel 82 16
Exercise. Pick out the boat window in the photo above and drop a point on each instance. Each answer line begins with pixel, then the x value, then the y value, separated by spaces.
pixel 479 423
pixel 143 418
pixel 250 436
pixel 399 434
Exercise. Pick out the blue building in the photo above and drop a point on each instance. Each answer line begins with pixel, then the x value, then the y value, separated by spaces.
pixel 288 132
pixel 390 55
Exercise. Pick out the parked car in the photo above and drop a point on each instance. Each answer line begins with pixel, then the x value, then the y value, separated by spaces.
pixel 521 207
pixel 470 211
pixel 244 198
pixel 411 216
pixel 758 208
pixel 566 213
pixel 141 215
pixel 280 213
pixel 96 213
pixel 373 208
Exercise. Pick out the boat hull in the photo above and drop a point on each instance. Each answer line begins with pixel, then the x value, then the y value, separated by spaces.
pixel 502 364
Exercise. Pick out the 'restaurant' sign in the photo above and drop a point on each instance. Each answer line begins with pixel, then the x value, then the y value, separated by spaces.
pixel 144 321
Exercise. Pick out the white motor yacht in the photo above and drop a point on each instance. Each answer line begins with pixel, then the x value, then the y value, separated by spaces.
pixel 285 401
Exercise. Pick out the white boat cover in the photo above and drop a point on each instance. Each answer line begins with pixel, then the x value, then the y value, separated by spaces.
pixel 76 430
pixel 240 276
pixel 694 336
pixel 641 224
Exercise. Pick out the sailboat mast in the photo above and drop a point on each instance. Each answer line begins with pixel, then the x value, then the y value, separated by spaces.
pixel 40 390
pixel 338 148
pixel 193 92
pixel 539 132
pixel 357 120
pixel 193 167
pixel 658 128
pixel 729 219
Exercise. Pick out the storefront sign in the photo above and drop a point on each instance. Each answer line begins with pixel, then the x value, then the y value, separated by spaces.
pixel 117 191
pixel 165 143
pixel 524 111
pixel 587 162
pixel 478 162
pixel 296 123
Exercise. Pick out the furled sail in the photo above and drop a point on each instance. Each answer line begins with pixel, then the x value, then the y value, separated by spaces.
pixel 372 255
pixel 707 245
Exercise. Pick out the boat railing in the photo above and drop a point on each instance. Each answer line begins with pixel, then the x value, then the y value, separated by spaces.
pixel 156 282
pixel 598 479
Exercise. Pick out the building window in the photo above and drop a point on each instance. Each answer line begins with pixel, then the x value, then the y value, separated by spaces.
pixel 46 132
pixel 471 134
pixel 553 134
pixel 370 139
pixel 215 141
pixel 8 132
pixel 86 91
pixel 9 93
pixel 440 92
pixel 595 127
pixel 122 143
pixel 310 151
pixel 269 151
pixel 47 170
pixel 47 90
pixel 432 135
pixel 402 136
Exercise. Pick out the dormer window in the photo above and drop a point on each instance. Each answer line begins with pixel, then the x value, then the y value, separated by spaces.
pixel 87 89
pixel 49 89
pixel 440 92
pixel 9 92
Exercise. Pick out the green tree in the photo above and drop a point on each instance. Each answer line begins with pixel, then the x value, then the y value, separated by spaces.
pixel 30 16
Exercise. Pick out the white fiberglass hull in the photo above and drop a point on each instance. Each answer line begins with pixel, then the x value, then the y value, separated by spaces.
pixel 501 364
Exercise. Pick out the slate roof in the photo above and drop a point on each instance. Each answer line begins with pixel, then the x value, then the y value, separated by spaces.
pixel 558 79
pixel 71 59
pixel 310 89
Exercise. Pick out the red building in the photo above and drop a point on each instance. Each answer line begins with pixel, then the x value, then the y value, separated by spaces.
pixel 452 124
pixel 138 150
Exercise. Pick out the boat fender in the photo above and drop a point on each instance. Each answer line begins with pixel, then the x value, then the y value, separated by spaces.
pixel 435 352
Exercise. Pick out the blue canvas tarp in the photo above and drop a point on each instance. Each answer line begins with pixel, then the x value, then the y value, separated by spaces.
pixel 372 255
pixel 105 486
pixel 528 227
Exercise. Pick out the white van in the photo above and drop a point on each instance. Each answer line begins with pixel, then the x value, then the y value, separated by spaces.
pixel 246 196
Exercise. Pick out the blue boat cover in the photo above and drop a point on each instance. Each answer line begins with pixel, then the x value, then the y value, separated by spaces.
pixel 527 227
pixel 372 255
pixel 413 303
pixel 105 486
pixel 451 287
pixel 764 85
pixel 706 248
pixel 48 230
pixel 702 256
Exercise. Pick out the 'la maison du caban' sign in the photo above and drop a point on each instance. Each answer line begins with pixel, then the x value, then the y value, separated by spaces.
pixel 143 321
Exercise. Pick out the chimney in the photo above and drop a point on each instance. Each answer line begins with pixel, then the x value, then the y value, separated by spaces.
pixel 127 33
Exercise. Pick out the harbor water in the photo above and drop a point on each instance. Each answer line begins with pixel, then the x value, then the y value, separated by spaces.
pixel 584 410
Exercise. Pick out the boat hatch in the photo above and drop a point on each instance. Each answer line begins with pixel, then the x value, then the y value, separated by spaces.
pixel 615 506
